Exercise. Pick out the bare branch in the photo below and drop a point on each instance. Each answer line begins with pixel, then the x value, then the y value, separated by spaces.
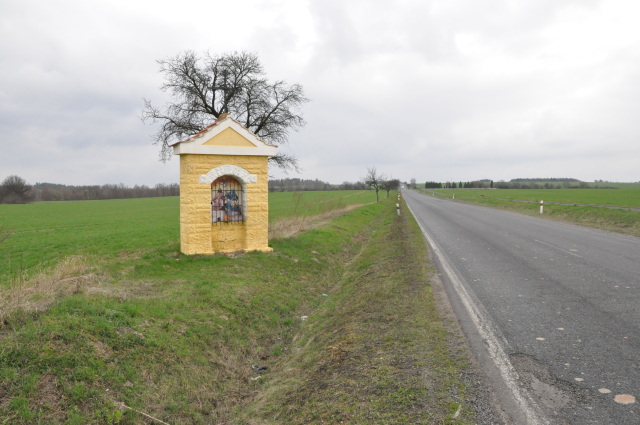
pixel 374 180
pixel 286 162
pixel 203 88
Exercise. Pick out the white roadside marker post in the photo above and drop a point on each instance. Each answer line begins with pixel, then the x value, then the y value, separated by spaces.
pixel 541 206
pixel 398 208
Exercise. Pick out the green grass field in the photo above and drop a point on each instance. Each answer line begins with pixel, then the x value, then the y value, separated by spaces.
pixel 103 321
pixel 635 185
pixel 287 204
pixel 45 232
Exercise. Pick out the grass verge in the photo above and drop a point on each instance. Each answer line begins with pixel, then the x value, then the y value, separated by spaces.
pixel 377 351
pixel 155 334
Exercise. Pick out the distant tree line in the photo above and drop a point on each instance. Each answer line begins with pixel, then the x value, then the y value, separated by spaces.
pixel 546 179
pixel 15 190
pixel 60 192
pixel 557 183
pixel 536 183
pixel 477 184
pixel 299 185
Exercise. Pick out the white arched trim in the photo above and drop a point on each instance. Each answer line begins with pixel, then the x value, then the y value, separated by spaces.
pixel 229 170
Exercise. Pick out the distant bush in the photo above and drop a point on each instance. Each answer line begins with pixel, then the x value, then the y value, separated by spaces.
pixel 15 190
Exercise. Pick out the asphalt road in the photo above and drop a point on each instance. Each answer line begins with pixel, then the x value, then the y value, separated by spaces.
pixel 554 307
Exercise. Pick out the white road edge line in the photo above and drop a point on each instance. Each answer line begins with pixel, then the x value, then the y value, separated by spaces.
pixel 495 349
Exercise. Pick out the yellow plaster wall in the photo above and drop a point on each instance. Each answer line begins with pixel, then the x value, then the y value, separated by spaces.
pixel 229 137
pixel 197 234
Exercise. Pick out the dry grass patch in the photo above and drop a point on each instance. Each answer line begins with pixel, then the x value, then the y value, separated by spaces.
pixel 291 226
pixel 71 276
pixel 126 289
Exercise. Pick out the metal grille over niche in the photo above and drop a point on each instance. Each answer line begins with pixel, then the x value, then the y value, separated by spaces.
pixel 226 200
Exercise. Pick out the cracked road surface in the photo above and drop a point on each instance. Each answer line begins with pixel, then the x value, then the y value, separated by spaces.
pixel 552 310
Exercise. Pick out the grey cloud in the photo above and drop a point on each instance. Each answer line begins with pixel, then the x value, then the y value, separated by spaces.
pixel 392 85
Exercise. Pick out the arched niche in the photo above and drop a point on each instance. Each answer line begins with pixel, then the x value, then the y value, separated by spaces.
pixel 228 193
pixel 228 200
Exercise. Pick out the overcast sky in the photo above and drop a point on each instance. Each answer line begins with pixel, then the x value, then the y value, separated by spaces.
pixel 444 90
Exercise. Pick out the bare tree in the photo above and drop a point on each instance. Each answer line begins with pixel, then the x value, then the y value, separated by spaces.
pixel 204 87
pixel 374 180
pixel 15 190
pixel 390 184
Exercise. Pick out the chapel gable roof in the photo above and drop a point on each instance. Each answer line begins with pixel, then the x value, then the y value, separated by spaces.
pixel 225 136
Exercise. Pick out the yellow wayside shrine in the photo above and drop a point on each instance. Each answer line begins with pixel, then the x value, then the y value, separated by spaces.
pixel 224 203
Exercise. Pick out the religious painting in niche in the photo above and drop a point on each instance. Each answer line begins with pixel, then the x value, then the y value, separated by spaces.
pixel 226 200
